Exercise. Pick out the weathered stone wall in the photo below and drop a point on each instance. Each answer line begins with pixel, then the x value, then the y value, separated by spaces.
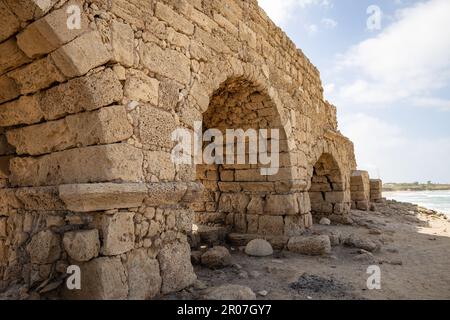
pixel 87 116
pixel 376 190
pixel 360 188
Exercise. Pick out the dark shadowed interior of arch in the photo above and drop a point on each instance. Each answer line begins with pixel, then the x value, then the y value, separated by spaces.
pixel 231 190
pixel 326 191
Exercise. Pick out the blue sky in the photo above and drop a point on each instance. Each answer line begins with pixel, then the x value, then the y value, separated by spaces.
pixel 391 85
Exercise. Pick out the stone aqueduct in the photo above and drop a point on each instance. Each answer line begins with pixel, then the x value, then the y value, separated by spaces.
pixel 86 116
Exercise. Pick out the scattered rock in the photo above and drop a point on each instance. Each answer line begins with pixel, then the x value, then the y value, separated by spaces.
pixel 254 274
pixel 355 241
pixel 230 292
pixel 365 257
pixel 263 293
pixel 216 258
pixel 259 248
pixel 394 262
pixel 312 245
pixel 243 275
pixel 375 232
pixel 200 285
pixel 325 222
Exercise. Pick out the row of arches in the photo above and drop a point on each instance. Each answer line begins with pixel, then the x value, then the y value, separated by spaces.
pixel 239 196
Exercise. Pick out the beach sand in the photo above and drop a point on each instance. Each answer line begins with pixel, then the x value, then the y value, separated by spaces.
pixel 414 260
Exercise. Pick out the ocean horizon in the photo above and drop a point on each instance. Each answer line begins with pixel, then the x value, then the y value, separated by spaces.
pixel 434 200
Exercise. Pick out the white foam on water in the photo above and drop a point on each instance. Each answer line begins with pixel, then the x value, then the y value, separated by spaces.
pixel 435 200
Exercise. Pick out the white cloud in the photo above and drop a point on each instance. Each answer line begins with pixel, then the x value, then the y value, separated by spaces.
pixel 409 59
pixel 282 11
pixel 429 102
pixel 386 151
pixel 312 29
pixel 329 23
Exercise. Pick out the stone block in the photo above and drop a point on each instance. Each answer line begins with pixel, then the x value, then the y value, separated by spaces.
pixel 122 42
pixel 144 277
pixel 37 75
pixel 117 233
pixel 140 87
pixel 294 226
pixel 363 205
pixel 50 32
pixel 116 162
pixel 159 164
pixel 81 94
pixel 9 23
pixel 281 205
pixel 271 225
pixel 250 175
pixel 168 63
pixel 27 10
pixel 25 110
pixel 81 55
pixel 10 90
pixel 313 245
pixel 334 197
pixel 40 198
pixel 256 205
pixel 104 126
pixel 102 196
pixel 233 203
pixel 44 247
pixel 103 278
pixel 177 21
pixel 176 269
pixel 82 245
pixel 156 127
pixel 169 94
pixel 11 56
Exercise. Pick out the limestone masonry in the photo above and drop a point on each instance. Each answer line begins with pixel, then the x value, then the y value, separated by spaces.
pixel 86 116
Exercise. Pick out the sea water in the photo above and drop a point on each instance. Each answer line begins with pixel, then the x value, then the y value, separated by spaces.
pixel 435 200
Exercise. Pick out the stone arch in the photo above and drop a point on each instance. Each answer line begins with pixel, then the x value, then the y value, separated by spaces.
pixel 329 190
pixel 240 196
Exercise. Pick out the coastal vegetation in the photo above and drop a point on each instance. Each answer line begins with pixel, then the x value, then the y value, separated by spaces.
pixel 415 186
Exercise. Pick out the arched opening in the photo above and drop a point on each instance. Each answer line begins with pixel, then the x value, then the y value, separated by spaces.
pixel 326 193
pixel 236 195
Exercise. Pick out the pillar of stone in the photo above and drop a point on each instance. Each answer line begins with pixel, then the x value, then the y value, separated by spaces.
pixel 360 190
pixel 376 190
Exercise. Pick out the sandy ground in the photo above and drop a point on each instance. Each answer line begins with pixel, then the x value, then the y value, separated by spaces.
pixel 414 261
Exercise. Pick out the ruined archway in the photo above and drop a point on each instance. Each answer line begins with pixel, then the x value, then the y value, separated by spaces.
pixel 240 195
pixel 326 193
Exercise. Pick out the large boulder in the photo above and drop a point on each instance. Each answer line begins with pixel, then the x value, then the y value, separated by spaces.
pixel 259 248
pixel 230 292
pixel 216 258
pixel 310 245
